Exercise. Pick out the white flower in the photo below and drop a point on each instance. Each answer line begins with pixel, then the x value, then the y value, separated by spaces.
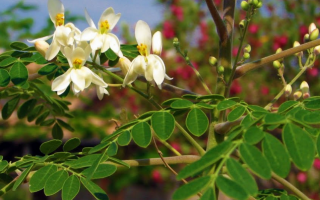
pixel 80 76
pixel 149 65
pixel 64 35
pixel 101 38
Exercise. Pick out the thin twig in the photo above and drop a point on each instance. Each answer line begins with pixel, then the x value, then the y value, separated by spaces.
pixel 221 28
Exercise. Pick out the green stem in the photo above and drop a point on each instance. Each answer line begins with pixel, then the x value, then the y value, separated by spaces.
pixel 7 187
pixel 288 185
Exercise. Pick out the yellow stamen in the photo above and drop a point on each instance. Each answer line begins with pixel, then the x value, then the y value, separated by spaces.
pixel 104 26
pixel 77 63
pixel 142 48
pixel 60 19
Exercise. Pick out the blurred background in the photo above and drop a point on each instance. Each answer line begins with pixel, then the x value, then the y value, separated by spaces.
pixel 276 25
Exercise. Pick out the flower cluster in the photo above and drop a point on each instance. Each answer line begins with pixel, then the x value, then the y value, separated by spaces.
pixel 79 47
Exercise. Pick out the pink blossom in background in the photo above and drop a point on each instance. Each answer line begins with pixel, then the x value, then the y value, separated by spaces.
pixel 156 176
pixel 168 30
pixel 318 20
pixel 264 90
pixel 303 29
pixel 316 163
pixel 176 146
pixel 235 88
pixel 185 72
pixel 313 72
pixel 217 2
pixel 302 177
pixel 177 11
pixel 253 28
pixel 235 51
pixel 279 42
pixel 204 37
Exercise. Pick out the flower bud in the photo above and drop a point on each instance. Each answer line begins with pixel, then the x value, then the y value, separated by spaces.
pixel 242 24
pixel 246 55
pixel 250 1
pixel 259 5
pixel 42 47
pixel 297 95
pixel 276 64
pixel 312 27
pixel 317 50
pixel 213 61
pixel 247 48
pixel 288 90
pixel 295 44
pixel 304 87
pixel 157 43
pixel 244 5
pixel 175 42
pixel 306 38
pixel 187 59
pixel 306 95
pixel 220 70
pixel 279 50
pixel 314 34
pixel 124 65
pixel 255 2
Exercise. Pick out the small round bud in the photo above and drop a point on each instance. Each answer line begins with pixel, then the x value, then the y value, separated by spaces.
pixel 306 95
pixel 242 24
pixel 244 5
pixel 255 2
pixel 279 50
pixel 314 34
pixel 220 70
pixel 312 27
pixel 175 41
pixel 296 44
pixel 259 5
pixel 317 50
pixel 288 90
pixel 250 1
pixel 304 87
pixel 277 64
pixel 297 95
pixel 247 48
pixel 187 59
pixel 246 55
pixel 213 61
pixel 311 56
pixel 306 38
pixel 41 46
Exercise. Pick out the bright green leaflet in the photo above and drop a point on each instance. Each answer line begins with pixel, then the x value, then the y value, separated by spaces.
pixel 125 138
pixel 141 134
pixel 19 74
pixel 26 108
pixel 9 107
pixel 70 188
pixel 39 179
pixel 236 113
pixel 197 122
pixel 55 182
pixel 71 144
pixel 21 178
pixel 163 124
pixel 103 170
pixel 50 146
pixel 231 188
pixel 94 189
pixel 4 78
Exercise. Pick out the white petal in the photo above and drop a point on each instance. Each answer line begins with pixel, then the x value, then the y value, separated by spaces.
pixel 78 78
pixel 55 7
pixel 130 77
pixel 89 20
pixel 62 35
pixel 75 89
pixel 67 51
pixel 87 51
pixel 110 16
pixel 105 43
pixel 143 34
pixel 96 43
pixel 62 82
pixel 101 91
pixel 111 41
pixel 53 50
pixel 88 34
pixel 61 91
pixel 78 53
pixel 167 77
pixel 158 69
pixel 70 37
pixel 157 43
pixel 42 38
pixel 138 65
pixel 98 80
pixel 88 76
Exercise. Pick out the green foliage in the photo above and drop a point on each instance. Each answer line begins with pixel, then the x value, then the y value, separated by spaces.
pixel 40 177
pixel 71 144
pixel 197 122
pixel 70 188
pixel 231 188
pixel 18 74
pixel 141 134
pixel 4 78
pixel 163 124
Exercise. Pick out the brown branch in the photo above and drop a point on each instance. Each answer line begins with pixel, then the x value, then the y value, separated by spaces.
pixel 221 28
pixel 228 10
pixel 185 159
pixel 243 69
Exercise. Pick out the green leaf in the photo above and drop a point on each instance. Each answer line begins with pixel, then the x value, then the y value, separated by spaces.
pixel 99 147
pixel 71 144
pixel 50 146
pixel 204 105
pixel 209 194
pixel 21 178
pixel 18 45
pixel 257 108
pixel 26 108
pixel 129 51
pixel 57 132
pixel 85 161
pixel 42 117
pixel 274 118
pixel 170 101
pixel 312 118
pixel 146 115
pixel 111 55
pixel 48 69
pixel 103 170
pixel 191 188
pixel 4 78
pixel 163 124
pixel 48 122
pixel 65 125
pixel 19 74
pixel 197 122
pixel 300 146
pixel 209 158
pixel 286 106
pixel 113 63
pixel 190 96
pixel 225 104
pixel 212 97
pixel 231 188
pixel 40 177
pixel 253 135
pixel 318 144
pixel 125 138
pixel 120 162
pixel 141 134
pixel 112 149
pixel 94 189
pixel 3 165
pixel 241 176
pixel 35 112
pixel 181 104
pixel 70 188
pixel 277 155
pixel 9 107
pixel 55 182
pixel 8 61
pixel 236 113
pixel 255 160
pixel 312 105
